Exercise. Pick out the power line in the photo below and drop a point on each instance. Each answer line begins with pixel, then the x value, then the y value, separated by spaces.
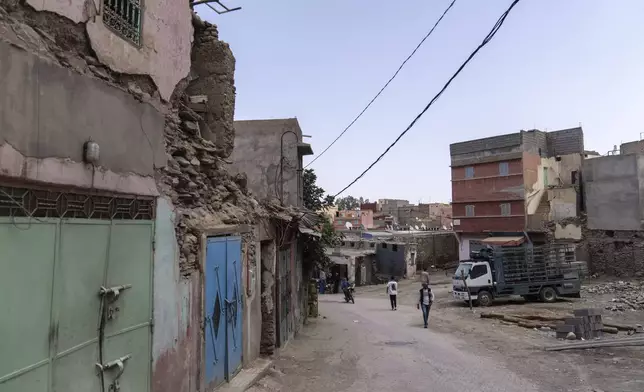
pixel 386 84
pixel 487 39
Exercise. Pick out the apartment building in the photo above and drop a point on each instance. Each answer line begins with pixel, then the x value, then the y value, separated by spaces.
pixel 500 182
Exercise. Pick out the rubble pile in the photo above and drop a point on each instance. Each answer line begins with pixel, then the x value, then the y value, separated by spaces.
pixel 627 295
pixel 200 187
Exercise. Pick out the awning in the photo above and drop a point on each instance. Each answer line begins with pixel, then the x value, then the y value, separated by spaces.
pixel 305 230
pixel 503 241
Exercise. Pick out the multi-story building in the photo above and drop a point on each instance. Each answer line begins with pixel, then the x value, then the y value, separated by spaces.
pixel 442 212
pixel 355 219
pixel 499 183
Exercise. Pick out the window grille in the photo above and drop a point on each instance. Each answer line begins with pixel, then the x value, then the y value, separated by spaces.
pixel 37 203
pixel 124 18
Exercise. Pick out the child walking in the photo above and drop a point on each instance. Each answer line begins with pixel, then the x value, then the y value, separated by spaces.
pixel 392 290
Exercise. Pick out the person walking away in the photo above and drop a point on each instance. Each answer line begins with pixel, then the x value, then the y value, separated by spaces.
pixel 424 276
pixel 425 302
pixel 392 290
pixel 322 281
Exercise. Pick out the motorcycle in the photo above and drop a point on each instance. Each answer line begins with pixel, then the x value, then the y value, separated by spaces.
pixel 349 293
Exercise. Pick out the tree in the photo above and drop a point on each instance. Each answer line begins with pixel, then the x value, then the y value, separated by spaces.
pixel 313 195
pixel 314 248
pixel 349 203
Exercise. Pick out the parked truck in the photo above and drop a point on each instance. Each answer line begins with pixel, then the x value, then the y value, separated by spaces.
pixel 543 273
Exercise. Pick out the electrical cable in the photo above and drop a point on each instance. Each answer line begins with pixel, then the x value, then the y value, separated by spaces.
pixel 487 39
pixel 386 84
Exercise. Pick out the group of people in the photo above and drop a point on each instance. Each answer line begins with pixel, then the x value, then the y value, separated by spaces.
pixel 425 299
pixel 338 284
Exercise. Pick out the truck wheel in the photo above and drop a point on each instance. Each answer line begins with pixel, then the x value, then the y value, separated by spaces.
pixel 484 298
pixel 548 295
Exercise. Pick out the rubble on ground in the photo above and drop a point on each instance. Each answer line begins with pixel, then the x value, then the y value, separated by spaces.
pixel 627 295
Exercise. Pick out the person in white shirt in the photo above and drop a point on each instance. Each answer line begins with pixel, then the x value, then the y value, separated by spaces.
pixel 425 302
pixel 392 290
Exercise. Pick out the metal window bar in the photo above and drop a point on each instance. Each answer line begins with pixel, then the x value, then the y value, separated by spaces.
pixel 124 18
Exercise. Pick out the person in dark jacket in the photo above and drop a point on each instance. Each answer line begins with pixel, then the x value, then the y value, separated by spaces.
pixel 425 302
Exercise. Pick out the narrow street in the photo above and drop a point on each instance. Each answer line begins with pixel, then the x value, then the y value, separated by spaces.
pixel 368 347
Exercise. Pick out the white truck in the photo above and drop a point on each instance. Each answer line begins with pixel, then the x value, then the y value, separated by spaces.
pixel 533 272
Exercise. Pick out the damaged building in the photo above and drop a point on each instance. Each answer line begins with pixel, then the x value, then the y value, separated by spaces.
pixel 128 243
pixel 508 189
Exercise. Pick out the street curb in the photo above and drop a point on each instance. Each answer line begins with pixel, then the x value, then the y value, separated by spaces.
pixel 247 377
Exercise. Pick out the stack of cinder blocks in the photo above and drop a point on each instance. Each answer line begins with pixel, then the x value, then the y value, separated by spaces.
pixel 586 324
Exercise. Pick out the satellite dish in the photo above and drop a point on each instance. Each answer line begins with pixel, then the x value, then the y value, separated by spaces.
pixel 423 226
pixel 416 227
pixel 348 225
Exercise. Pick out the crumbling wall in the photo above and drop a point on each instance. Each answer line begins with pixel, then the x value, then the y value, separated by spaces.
pixel 213 66
pixel 268 258
pixel 615 253
pixel 166 36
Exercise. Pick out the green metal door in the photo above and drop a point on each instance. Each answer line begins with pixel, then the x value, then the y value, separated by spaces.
pixel 68 330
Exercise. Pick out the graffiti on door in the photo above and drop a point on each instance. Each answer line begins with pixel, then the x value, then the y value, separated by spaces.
pixel 223 309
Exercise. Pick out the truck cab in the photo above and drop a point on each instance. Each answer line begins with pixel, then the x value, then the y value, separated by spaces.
pixel 478 276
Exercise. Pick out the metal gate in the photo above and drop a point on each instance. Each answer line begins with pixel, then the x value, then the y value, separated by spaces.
pixel 81 292
pixel 285 295
pixel 223 309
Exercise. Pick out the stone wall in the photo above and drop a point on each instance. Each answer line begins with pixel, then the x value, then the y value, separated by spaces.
pixel 615 253
pixel 435 249
pixel 269 322
pixel 213 67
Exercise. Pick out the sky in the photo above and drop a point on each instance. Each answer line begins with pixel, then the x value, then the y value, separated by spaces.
pixel 554 64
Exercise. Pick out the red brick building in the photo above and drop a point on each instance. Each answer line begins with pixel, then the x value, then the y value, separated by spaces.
pixel 493 178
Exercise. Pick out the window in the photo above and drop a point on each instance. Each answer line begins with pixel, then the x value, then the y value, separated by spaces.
pixel 469 172
pixel 372 244
pixel 504 169
pixel 469 210
pixel 353 244
pixel 478 271
pixel 384 245
pixel 394 247
pixel 124 18
pixel 505 209
pixel 573 177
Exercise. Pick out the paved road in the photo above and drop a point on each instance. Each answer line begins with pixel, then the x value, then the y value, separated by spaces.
pixel 367 347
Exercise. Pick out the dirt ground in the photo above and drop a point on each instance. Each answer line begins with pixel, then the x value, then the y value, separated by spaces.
pixel 609 369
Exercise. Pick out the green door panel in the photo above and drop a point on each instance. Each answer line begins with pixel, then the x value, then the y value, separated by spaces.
pixel 27 255
pixel 130 262
pixel 81 266
pixel 76 371
pixel 136 374
pixel 36 380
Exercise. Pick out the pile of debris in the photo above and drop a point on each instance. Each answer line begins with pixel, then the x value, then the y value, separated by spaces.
pixel 628 295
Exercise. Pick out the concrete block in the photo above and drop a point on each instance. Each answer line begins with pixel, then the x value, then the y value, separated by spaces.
pixel 573 321
pixel 565 328
pixel 587 312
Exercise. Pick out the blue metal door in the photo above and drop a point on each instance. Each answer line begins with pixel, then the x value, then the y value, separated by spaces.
pixel 234 306
pixel 223 308
pixel 215 324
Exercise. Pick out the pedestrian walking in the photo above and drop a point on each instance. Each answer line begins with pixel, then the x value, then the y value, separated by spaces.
pixel 322 281
pixel 425 302
pixel 392 290
pixel 424 276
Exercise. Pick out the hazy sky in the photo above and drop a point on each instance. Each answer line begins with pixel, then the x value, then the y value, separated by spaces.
pixel 553 65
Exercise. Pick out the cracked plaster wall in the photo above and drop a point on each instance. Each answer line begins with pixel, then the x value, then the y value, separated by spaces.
pixel 166 39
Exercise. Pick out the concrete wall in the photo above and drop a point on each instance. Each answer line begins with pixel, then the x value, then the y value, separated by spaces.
pixel 50 112
pixel 166 39
pixel 176 339
pixel 389 261
pixel 257 154
pixel 613 192
pixel 636 147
